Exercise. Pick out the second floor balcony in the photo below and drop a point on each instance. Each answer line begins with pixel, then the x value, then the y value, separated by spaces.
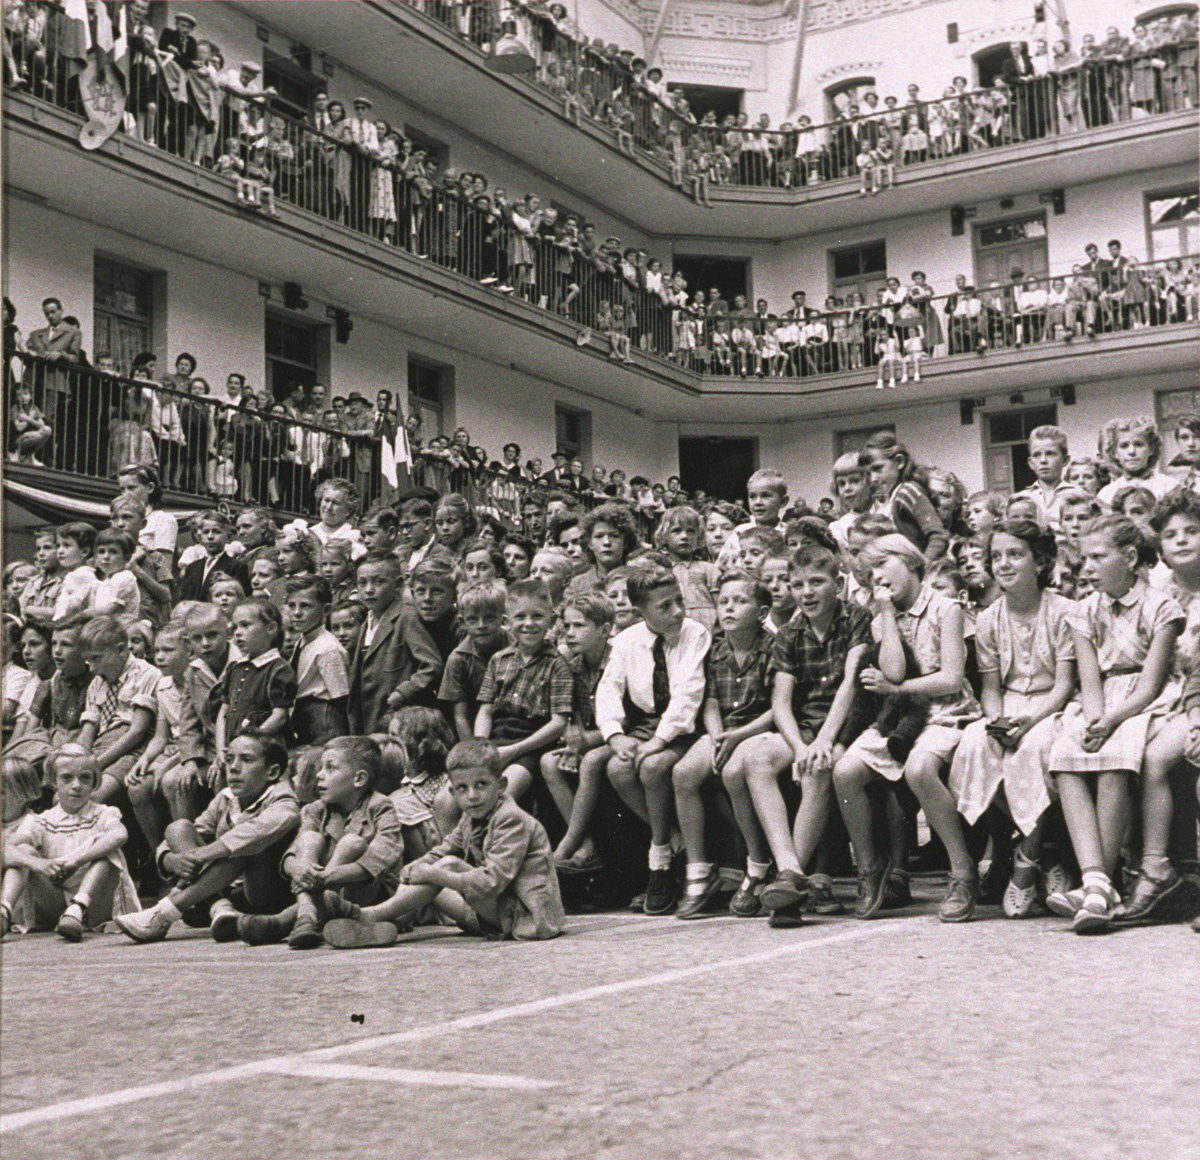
pixel 532 292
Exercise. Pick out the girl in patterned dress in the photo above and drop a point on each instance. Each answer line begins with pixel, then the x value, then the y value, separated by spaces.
pixel 1125 635
pixel 68 860
pixel 1026 659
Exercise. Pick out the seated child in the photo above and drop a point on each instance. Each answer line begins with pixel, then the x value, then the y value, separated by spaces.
pixel 320 664
pixel 75 543
pixel 349 843
pixel 616 592
pixel 481 606
pixel 345 622
pixel 38 597
pixel 242 834
pixel 119 713
pixel 553 567
pixel 166 781
pixel 258 692
pixel 213 533
pixel 68 860
pixel 423 802
pixel 646 707
pixel 117 593
pixel 587 622
pixel 774 574
pixel 737 707
pixel 815 660
pixel 226 593
pixel 493 876
pixel 434 591
pixel 526 697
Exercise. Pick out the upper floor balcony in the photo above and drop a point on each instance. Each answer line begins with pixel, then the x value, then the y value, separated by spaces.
pixel 291 203
pixel 586 117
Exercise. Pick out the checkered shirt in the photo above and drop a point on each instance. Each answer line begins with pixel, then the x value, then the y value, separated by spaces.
pixel 527 692
pixel 743 690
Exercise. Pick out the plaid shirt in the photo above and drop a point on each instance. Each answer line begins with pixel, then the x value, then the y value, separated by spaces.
pixel 819 666
pixel 464 673
pixel 526 693
pixel 586 681
pixel 743 691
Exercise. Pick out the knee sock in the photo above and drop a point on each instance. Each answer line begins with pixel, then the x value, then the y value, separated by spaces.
pixel 1097 879
pixel 660 857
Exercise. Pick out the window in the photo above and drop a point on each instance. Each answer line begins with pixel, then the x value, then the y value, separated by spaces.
pixel 841 96
pixel 436 151
pixel 573 432
pixel 989 62
pixel 1006 446
pixel 292 79
pixel 429 389
pixel 295 354
pixel 845 442
pixel 1013 244
pixel 122 312
pixel 721 102
pixel 1169 406
pixel 858 269
pixel 1168 12
pixel 1173 222
pixel 729 275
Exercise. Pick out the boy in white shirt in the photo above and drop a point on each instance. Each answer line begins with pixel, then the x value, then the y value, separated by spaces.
pixel 647 702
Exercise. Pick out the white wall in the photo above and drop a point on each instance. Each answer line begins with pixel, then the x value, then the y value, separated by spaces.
pixel 1114 208
pixel 217 315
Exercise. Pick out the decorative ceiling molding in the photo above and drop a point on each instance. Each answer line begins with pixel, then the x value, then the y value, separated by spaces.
pixel 855 68
pixel 726 68
pixel 826 14
pixel 717 24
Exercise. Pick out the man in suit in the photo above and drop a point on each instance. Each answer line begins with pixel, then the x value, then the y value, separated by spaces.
pixel 560 476
pixel 60 344
pixel 213 533
pixel 394 662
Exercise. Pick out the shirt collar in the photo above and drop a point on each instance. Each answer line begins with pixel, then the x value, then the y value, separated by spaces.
pixel 921 602
pixel 264 659
pixel 1133 597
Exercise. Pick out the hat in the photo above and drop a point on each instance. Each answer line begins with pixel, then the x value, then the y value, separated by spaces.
pixel 654 69
pixel 560 454
pixel 250 66
pixel 186 16
pixel 364 101
pixel 355 397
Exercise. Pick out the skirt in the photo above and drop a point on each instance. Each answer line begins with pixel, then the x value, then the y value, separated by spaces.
pixel 981 766
pixel 1124 750
pixel 871 749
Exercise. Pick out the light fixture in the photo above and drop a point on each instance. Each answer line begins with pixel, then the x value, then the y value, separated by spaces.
pixel 510 54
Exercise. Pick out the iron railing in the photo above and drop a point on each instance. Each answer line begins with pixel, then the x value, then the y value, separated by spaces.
pixel 211 451
pixel 868 142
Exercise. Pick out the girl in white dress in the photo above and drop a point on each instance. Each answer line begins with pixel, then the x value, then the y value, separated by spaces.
pixel 1027 664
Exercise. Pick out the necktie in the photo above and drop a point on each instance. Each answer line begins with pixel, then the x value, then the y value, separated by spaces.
pixel 108 710
pixel 660 681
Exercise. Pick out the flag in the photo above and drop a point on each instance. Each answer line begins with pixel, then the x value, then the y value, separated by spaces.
pixel 75 36
pixel 396 457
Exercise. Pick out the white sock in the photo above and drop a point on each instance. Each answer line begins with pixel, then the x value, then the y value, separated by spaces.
pixel 1156 865
pixel 1097 879
pixel 660 857
pixel 167 909
pixel 757 869
pixel 698 871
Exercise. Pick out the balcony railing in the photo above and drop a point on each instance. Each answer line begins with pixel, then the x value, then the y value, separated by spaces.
pixel 593 83
pixel 385 191
pixel 81 422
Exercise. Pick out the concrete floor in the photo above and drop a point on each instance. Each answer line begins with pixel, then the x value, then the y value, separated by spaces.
pixel 630 1038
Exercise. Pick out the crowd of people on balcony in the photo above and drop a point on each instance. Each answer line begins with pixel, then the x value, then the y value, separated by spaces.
pixel 551 700
pixel 1048 90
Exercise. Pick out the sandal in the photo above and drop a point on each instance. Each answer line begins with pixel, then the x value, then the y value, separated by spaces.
pixel 1018 901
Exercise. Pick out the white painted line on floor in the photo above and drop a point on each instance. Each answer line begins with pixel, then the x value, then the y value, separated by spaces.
pixel 107 1100
pixel 455 1079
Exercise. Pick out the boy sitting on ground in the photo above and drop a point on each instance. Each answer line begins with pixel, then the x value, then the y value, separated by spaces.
pixel 243 834
pixel 349 842
pixel 493 876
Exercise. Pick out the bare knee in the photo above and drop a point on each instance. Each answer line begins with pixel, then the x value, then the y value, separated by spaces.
pixel 181 835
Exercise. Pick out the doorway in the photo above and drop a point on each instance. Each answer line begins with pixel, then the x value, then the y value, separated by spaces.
pixel 729 275
pixel 721 102
pixel 1004 247
pixel 717 465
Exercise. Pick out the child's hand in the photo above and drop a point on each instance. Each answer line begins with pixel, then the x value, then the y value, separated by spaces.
pixel 624 748
pixel 188 864
pixel 1096 734
pixel 418 874
pixel 723 748
pixel 882 595
pixel 60 869
pixel 138 773
pixel 649 748
pixel 873 680
pixel 308 876
pixel 819 758
pixel 573 738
